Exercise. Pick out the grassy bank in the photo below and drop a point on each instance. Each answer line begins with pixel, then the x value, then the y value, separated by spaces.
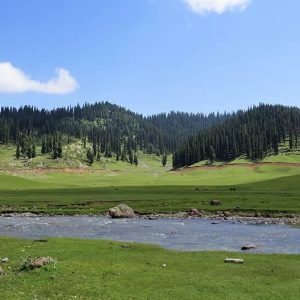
pixel 106 270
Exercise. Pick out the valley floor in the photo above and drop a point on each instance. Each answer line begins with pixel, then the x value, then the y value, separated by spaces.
pixel 262 188
pixel 88 269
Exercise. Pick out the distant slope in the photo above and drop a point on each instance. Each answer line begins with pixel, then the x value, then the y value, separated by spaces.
pixel 110 128
pixel 254 133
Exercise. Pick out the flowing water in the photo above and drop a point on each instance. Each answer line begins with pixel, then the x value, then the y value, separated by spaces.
pixel 179 234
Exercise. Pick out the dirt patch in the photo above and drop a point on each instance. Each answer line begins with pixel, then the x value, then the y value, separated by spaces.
pixel 250 166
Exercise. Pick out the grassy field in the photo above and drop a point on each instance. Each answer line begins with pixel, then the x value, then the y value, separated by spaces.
pixel 58 188
pixel 277 195
pixel 88 269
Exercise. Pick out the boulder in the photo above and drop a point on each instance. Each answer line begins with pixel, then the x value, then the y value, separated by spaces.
pixel 28 214
pixel 226 214
pixel 121 211
pixel 40 262
pixel 248 247
pixel 4 260
pixel 215 202
pixel 234 260
pixel 195 212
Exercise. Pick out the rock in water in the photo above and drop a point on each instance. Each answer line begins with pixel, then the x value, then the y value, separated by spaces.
pixel 215 202
pixel 248 247
pixel 234 260
pixel 121 211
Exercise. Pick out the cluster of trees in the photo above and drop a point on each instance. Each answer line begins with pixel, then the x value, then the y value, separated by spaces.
pixel 26 147
pixel 253 133
pixel 107 127
pixel 112 130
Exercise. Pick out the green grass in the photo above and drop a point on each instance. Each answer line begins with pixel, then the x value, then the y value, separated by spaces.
pixel 88 269
pixel 62 189
pixel 273 196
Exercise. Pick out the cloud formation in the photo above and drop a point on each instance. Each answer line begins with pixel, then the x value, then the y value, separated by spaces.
pixel 14 80
pixel 216 6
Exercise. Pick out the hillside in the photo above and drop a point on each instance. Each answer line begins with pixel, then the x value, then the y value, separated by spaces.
pixel 254 134
pixel 110 129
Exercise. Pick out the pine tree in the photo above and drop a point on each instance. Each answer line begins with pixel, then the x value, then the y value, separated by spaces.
pixel 59 150
pixel 164 160
pixel 98 156
pixel 135 160
pixel 130 157
pixel 33 154
pixel 212 154
pixel 44 146
pixel 18 153
pixel 90 156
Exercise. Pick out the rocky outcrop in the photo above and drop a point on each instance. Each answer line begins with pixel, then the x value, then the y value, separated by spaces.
pixel 121 211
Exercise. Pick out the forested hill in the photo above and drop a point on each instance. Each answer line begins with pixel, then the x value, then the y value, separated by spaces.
pixel 108 127
pixel 254 133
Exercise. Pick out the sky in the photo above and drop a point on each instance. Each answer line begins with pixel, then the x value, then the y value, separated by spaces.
pixel 150 56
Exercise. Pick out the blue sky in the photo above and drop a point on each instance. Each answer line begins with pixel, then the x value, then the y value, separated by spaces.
pixel 150 55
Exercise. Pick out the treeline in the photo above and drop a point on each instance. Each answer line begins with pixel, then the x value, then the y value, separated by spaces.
pixel 110 129
pixel 253 133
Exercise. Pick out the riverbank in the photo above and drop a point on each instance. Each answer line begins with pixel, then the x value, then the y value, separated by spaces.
pixel 254 218
pixel 88 269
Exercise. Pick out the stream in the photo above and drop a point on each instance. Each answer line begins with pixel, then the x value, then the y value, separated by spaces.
pixel 178 234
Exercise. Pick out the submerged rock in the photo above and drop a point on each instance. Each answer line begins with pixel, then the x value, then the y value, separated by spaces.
pixel 248 247
pixel 121 211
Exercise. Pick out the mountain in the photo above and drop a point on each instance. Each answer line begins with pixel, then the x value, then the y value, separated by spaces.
pixel 107 127
pixel 253 133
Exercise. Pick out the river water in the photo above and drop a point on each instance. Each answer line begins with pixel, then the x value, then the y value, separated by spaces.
pixel 179 234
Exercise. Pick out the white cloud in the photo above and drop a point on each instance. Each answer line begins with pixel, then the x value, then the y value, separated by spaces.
pixel 14 80
pixel 217 6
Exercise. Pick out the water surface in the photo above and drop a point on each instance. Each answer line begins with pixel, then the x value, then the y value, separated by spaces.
pixel 179 234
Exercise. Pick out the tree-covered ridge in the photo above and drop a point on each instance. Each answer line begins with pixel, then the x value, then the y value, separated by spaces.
pixel 108 127
pixel 253 133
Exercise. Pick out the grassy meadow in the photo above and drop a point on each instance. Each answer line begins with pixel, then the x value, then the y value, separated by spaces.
pixel 70 186
pixel 87 269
